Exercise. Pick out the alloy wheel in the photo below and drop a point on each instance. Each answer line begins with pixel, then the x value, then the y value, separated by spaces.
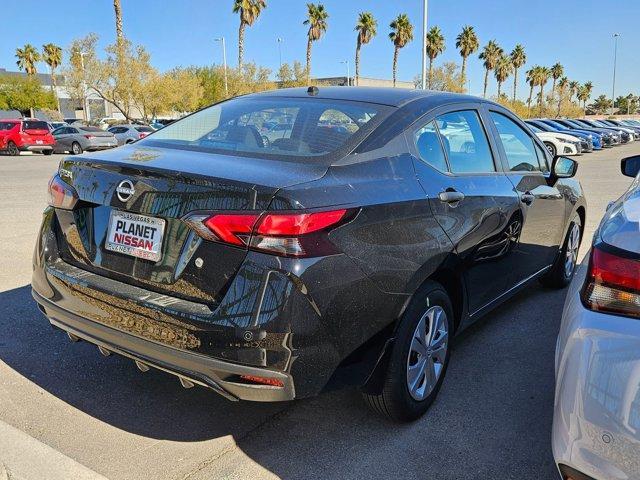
pixel 428 353
pixel 573 245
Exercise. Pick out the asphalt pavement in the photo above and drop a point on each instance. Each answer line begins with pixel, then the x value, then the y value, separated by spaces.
pixel 66 406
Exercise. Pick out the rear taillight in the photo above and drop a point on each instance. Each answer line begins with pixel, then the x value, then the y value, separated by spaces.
pixel 141 135
pixel 612 283
pixel 89 137
pixel 61 194
pixel 287 234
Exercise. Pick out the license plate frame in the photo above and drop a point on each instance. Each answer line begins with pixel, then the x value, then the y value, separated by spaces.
pixel 131 238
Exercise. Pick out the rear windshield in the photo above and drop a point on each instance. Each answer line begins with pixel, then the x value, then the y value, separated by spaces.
pixel 276 127
pixel 90 129
pixel 31 125
pixel 145 129
pixel 7 125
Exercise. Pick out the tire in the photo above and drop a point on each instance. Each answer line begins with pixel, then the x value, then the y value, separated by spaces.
pixel 48 152
pixel 552 148
pixel 76 149
pixel 407 391
pixel 564 267
pixel 12 149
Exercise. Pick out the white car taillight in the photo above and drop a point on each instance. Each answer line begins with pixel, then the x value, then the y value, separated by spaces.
pixel 613 282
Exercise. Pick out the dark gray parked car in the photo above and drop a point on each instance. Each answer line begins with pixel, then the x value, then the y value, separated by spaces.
pixel 269 271
pixel 78 139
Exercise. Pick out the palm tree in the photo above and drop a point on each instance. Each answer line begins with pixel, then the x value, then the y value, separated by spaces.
pixel 52 55
pixel 543 78
pixel 518 59
pixel 367 28
pixel 117 8
pixel 467 43
pixel 490 54
pixel 563 84
pixel 588 86
pixel 573 89
pixel 502 70
pixel 532 80
pixel 317 21
pixel 435 46
pixel 27 57
pixel 401 34
pixel 556 72
pixel 249 11
pixel 584 93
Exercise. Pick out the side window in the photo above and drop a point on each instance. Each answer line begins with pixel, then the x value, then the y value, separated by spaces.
pixel 518 145
pixel 542 158
pixel 430 148
pixel 72 130
pixel 465 142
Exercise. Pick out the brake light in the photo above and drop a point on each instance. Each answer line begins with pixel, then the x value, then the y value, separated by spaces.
pixel 141 135
pixel 61 194
pixel 287 234
pixel 89 137
pixel 612 283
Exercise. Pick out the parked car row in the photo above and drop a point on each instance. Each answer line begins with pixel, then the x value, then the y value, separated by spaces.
pixel 19 135
pixel 564 136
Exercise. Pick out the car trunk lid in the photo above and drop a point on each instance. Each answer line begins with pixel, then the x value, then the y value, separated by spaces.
pixel 167 184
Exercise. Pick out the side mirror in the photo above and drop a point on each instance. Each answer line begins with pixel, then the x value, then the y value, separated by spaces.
pixel 564 167
pixel 630 166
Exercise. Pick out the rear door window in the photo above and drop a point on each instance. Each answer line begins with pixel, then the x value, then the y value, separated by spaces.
pixel 518 145
pixel 465 142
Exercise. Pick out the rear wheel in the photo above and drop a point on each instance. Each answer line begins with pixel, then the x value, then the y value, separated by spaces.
pixel 564 267
pixel 552 148
pixel 76 149
pixel 418 359
pixel 12 149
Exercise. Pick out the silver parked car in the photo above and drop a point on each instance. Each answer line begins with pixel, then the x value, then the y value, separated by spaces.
pixel 130 133
pixel 596 424
pixel 77 139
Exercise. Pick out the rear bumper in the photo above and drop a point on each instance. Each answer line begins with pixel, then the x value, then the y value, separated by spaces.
pixel 596 423
pixel 287 319
pixel 194 368
pixel 35 148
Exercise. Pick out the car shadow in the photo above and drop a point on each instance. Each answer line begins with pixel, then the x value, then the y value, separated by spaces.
pixel 492 418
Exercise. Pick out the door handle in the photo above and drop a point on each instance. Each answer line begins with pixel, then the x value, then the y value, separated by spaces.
pixel 527 198
pixel 450 196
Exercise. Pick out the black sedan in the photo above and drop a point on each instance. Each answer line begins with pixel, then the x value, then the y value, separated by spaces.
pixel 349 250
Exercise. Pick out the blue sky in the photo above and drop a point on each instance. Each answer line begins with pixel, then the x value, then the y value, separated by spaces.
pixel 577 33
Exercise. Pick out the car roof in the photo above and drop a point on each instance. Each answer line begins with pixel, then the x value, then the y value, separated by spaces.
pixel 395 97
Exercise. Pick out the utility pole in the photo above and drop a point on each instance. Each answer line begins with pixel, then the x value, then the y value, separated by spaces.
pixel 280 40
pixel 224 63
pixel 424 44
pixel 348 72
pixel 615 59
pixel 85 100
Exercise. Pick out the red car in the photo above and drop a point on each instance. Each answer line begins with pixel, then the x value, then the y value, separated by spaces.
pixel 25 135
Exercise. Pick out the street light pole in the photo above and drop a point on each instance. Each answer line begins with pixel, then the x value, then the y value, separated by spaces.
pixel 224 63
pixel 615 59
pixel 348 72
pixel 280 40
pixel 424 44
pixel 85 101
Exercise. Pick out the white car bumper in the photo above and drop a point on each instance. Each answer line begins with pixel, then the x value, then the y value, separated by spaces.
pixel 596 422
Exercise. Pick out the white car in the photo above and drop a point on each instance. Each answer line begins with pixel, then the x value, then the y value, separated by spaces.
pixel 596 421
pixel 558 143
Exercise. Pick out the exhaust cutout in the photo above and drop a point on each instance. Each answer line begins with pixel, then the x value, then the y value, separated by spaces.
pixel 72 337
pixel 143 367
pixel 186 383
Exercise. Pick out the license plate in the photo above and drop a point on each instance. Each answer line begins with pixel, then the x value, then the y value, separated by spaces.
pixel 136 235
pixel 39 142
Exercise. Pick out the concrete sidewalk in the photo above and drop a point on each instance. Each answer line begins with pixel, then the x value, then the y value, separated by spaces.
pixel 24 458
